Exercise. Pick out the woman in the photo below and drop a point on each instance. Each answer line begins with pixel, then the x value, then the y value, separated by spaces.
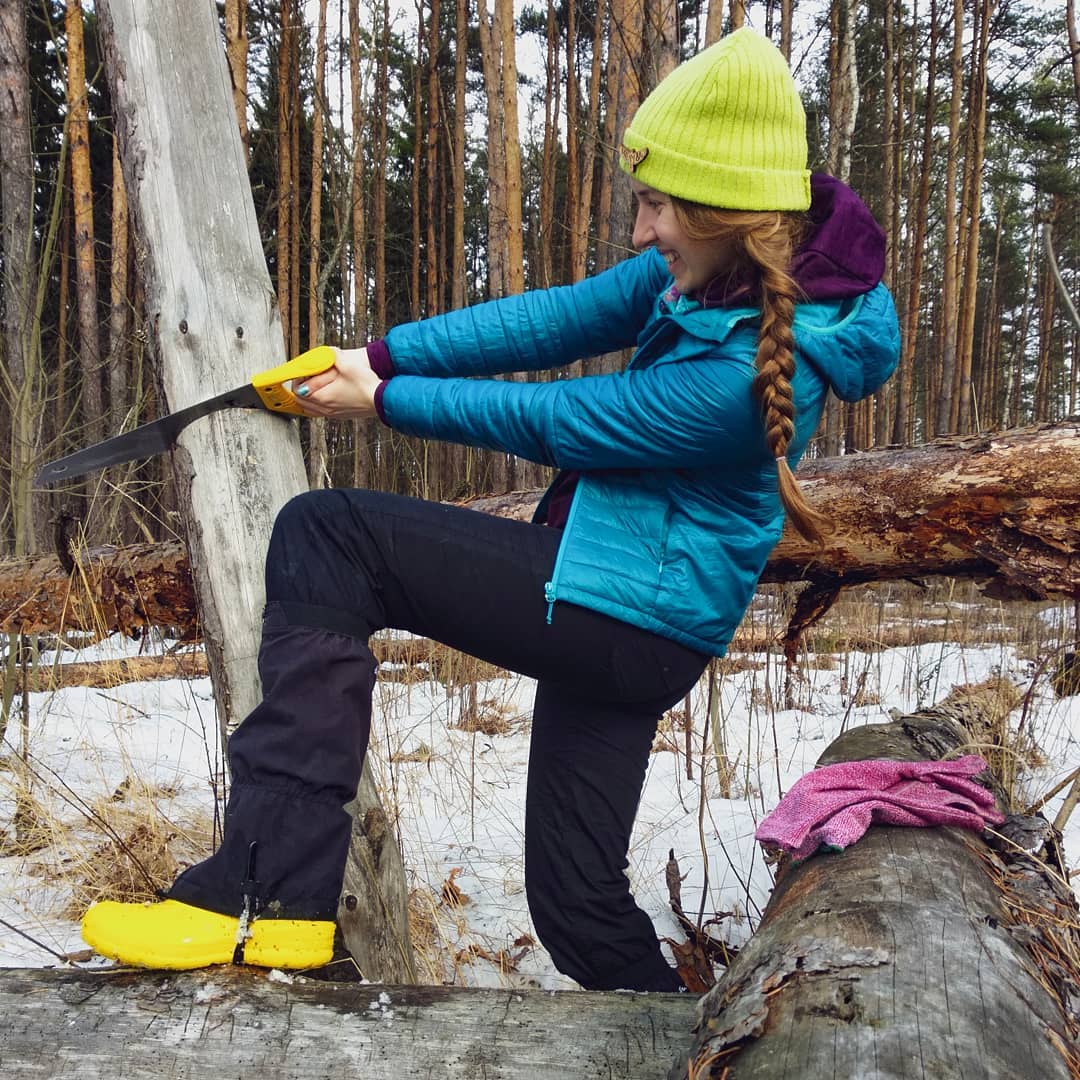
pixel 757 290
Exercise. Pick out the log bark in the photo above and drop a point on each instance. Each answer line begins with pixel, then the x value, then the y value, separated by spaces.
pixel 914 952
pixel 213 322
pixel 1003 509
pixel 234 1022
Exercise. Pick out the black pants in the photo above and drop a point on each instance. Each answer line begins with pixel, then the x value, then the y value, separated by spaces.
pixel 345 563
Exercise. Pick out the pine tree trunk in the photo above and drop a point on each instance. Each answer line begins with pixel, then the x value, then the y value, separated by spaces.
pixel 119 303
pixel 589 145
pixel 457 255
pixel 317 448
pixel 236 49
pixel 284 170
pixel 382 96
pixel 904 422
pixel 714 21
pixel 973 208
pixel 515 251
pixel 950 300
pixel 21 397
pixel 545 277
pixel 83 195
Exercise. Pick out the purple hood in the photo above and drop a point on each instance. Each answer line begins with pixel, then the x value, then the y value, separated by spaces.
pixel 842 256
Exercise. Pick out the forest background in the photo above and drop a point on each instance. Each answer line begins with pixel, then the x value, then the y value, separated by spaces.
pixel 404 161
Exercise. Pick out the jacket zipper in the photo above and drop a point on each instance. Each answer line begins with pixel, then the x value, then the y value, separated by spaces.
pixel 550 587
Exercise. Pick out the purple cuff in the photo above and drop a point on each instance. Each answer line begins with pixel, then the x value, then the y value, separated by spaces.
pixel 379 391
pixel 379 358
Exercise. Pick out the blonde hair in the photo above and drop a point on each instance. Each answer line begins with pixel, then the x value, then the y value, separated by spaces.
pixel 761 244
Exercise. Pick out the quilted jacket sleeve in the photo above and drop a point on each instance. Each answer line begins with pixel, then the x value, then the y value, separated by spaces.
pixel 680 414
pixel 534 331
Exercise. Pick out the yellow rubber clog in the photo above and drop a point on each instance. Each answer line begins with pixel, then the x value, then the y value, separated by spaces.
pixel 176 936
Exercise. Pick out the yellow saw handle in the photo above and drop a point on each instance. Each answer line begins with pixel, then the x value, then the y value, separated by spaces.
pixel 270 384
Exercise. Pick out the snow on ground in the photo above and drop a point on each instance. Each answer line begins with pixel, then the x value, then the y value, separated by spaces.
pixel 459 794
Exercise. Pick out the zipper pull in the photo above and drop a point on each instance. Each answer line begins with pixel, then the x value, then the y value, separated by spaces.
pixel 549 596
pixel 250 909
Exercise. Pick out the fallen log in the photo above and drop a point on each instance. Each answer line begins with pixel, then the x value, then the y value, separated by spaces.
pixel 1003 509
pixel 95 1025
pixel 913 953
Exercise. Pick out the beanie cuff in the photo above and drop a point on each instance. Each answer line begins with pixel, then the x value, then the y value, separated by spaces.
pixel 731 187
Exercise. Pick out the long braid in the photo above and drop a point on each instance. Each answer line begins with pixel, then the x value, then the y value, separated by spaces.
pixel 770 249
pixel 764 242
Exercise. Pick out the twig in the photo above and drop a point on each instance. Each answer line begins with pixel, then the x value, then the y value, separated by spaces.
pixel 34 941
pixel 1035 807
pixel 1068 806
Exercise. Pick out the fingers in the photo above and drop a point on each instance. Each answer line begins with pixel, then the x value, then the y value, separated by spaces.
pixel 345 390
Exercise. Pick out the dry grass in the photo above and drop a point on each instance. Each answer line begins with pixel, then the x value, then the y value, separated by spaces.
pixel 130 846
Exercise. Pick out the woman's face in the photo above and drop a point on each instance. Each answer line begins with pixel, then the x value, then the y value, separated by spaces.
pixel 693 263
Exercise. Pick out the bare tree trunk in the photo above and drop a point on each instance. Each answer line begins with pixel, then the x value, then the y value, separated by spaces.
pixel 359 202
pixel 317 448
pixel 432 254
pixel 546 211
pixel 284 170
pixel 457 257
pixel 625 91
pixel 843 112
pixel 83 194
pixel 382 97
pixel 904 425
pixel 414 186
pixel 296 121
pixel 589 145
pixel 236 49
pixel 119 304
pixel 61 412
pixel 714 21
pixel 908 946
pixel 18 285
pixel 950 302
pixel 515 251
pixel 573 140
pixel 1073 33
pixel 786 20
pixel 973 209
pixel 209 303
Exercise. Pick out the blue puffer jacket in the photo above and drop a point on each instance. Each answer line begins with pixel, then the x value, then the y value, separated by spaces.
pixel 677 507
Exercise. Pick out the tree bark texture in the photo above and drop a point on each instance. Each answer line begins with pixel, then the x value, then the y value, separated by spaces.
pixel 21 401
pixel 914 952
pixel 214 321
pixel 83 197
pixel 236 1022
pixel 1003 509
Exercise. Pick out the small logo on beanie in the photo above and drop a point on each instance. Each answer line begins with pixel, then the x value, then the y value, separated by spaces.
pixel 631 159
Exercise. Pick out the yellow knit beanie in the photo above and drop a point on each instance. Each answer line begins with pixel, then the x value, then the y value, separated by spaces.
pixel 726 128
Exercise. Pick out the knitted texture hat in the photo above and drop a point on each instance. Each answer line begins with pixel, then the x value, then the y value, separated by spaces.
pixel 726 128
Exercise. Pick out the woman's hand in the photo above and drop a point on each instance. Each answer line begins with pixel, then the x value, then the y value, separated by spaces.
pixel 345 392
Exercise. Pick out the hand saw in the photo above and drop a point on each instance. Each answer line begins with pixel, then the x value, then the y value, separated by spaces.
pixel 267 390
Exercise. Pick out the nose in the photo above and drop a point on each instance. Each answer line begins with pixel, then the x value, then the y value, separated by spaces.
pixel 643 228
